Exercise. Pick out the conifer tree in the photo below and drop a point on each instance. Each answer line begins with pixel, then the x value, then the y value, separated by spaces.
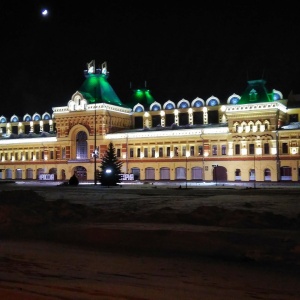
pixel 111 167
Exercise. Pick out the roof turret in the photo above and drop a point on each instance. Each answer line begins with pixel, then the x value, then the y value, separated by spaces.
pixel 96 88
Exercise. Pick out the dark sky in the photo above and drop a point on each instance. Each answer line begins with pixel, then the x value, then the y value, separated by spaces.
pixel 182 50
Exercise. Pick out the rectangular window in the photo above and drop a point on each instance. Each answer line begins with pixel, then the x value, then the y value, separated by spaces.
pixel 138 154
pixel 26 155
pixel 16 156
pixel 285 148
pixel 38 155
pixel 223 149
pixel 119 152
pixel 43 155
pixel 237 149
pixel 192 151
pixel 168 151
pixel 183 150
pixel 153 152
pixel 266 148
pixel 51 154
pixel 160 152
pixel 145 152
pixel 251 148
pixel 131 152
pixel 63 153
pixel 175 151
pixel 200 150
pixel 214 150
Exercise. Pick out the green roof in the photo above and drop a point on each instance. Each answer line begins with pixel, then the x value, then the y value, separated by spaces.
pixel 256 92
pixel 96 89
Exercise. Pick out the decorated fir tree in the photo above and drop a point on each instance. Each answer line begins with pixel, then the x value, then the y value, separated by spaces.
pixel 111 166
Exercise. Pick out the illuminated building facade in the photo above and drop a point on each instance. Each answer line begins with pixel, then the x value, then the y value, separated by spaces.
pixel 254 136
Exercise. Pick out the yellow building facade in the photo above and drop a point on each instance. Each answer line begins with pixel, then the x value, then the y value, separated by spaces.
pixel 249 137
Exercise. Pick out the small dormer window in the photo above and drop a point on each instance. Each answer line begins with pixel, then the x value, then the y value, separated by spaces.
pixel 155 108
pixel 170 106
pixel 234 100
pixel 213 102
pixel 253 95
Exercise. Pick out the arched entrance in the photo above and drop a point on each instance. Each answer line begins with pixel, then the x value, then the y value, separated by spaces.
pixel 29 173
pixel 180 173
pixel 53 171
pixel 136 173
pixel 219 173
pixel 8 173
pixel 19 173
pixel 39 172
pixel 150 173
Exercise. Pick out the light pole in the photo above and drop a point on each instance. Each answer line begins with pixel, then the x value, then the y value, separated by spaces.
pixel 254 178
pixel 215 173
pixel 203 166
pixel 186 173
pixel 277 157
pixel 95 148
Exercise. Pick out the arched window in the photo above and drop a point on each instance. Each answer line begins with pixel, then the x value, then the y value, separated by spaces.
pixel 81 145
pixel 267 175
pixel 237 174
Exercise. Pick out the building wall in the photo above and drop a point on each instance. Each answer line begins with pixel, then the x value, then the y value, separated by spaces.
pixel 183 150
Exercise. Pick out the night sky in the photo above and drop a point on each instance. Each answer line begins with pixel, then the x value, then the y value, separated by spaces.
pixel 181 50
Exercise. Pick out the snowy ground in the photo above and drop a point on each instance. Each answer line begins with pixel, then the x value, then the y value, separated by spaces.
pixel 149 242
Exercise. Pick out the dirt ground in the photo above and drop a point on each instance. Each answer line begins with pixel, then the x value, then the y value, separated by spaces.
pixel 60 242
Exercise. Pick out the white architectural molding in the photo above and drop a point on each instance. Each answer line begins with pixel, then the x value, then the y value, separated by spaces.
pixel 28 141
